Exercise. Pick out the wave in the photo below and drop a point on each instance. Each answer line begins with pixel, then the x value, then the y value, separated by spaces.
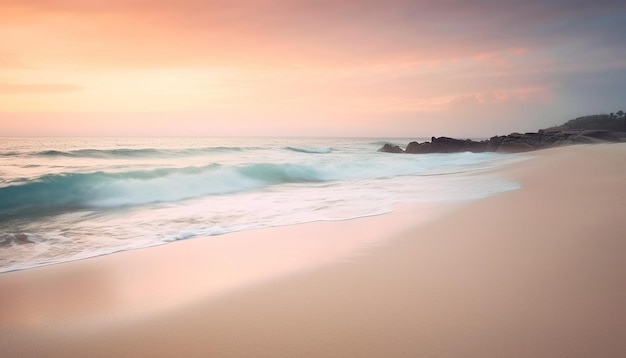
pixel 65 192
pixel 310 150
pixel 130 153
pixel 58 193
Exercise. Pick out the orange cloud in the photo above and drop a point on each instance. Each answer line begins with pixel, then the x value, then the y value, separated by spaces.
pixel 250 60
pixel 144 34
pixel 10 88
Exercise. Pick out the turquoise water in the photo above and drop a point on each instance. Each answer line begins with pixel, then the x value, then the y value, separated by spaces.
pixel 64 199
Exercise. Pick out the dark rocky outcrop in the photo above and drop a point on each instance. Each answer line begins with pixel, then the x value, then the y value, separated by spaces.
pixel 447 145
pixel 583 130
pixel 390 148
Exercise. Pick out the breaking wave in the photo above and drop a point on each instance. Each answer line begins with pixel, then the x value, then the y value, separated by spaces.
pixel 60 192
pixel 66 192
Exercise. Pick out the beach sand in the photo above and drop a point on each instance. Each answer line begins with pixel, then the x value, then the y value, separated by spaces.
pixel 535 272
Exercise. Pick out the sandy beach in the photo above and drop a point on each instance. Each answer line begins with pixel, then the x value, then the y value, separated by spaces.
pixel 535 272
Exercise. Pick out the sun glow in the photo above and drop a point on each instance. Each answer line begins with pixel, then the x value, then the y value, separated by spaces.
pixel 294 65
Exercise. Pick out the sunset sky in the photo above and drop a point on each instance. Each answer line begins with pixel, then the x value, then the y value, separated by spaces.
pixel 325 68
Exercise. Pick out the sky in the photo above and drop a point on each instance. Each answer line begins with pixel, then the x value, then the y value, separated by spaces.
pixel 464 68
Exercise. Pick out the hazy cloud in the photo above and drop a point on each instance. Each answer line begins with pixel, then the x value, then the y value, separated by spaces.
pixel 42 88
pixel 480 60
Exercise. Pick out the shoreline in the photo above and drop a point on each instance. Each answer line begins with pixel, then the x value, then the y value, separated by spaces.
pixel 435 206
pixel 70 215
pixel 532 272
pixel 456 193
pixel 234 261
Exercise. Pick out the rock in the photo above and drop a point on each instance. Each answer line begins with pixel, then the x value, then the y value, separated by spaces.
pixel 476 147
pixel 390 148
pixel 417 148
pixel 582 139
pixel 532 139
pixel 494 143
pixel 513 142
pixel 514 146
pixel 602 135
pixel 447 145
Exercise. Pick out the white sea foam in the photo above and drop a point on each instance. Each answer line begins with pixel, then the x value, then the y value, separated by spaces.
pixel 100 199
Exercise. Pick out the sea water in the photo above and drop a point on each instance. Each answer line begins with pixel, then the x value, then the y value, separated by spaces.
pixel 64 199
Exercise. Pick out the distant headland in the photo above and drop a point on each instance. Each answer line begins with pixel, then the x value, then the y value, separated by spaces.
pixel 597 128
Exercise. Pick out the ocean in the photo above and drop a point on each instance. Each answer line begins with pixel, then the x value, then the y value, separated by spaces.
pixel 64 199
